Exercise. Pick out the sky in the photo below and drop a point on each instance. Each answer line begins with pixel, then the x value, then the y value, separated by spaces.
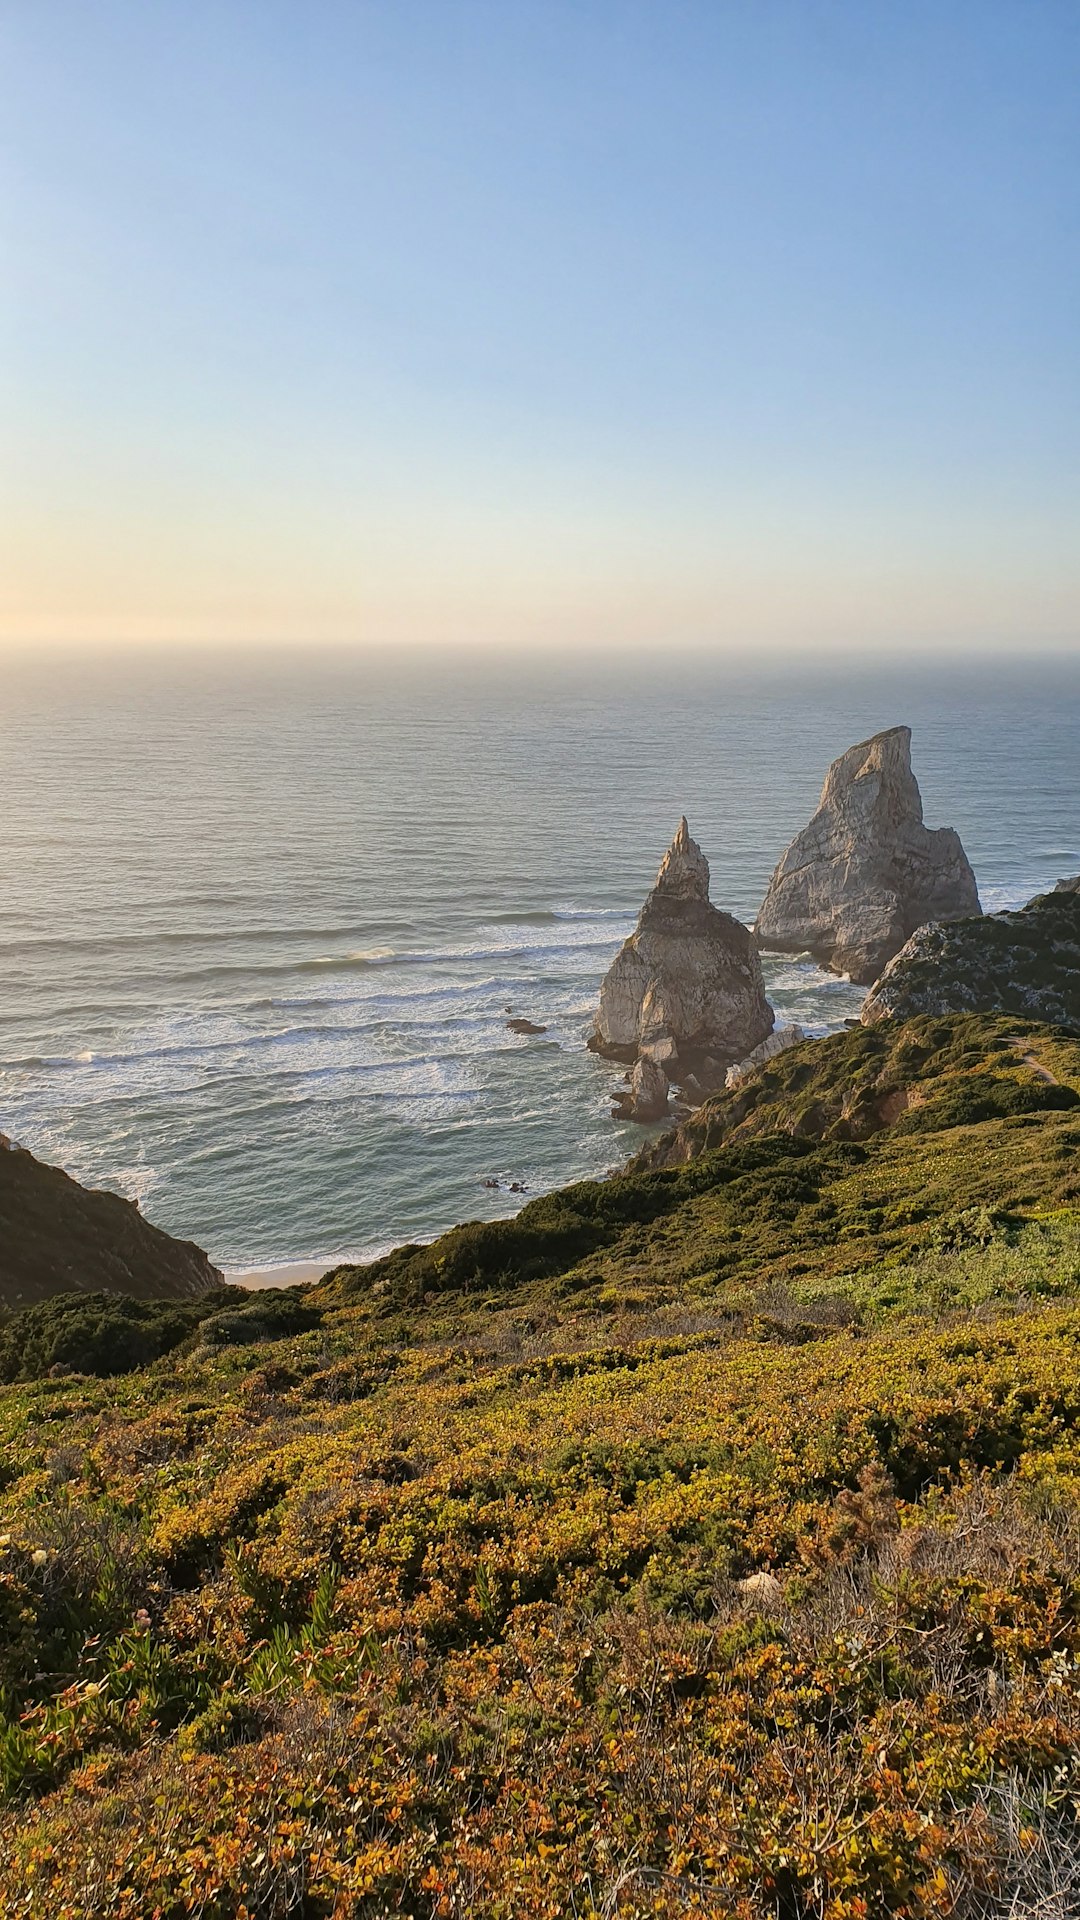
pixel 541 323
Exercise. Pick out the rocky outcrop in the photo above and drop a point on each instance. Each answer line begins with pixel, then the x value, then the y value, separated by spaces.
pixel 685 993
pixel 646 1095
pixel 1025 962
pixel 58 1237
pixel 866 872
pixel 779 1040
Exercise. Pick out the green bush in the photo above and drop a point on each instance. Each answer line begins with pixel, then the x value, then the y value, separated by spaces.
pixel 98 1333
pixel 273 1315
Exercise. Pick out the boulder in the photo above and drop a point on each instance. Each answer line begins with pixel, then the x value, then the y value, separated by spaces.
pixel 866 872
pixel 686 989
pixel 761 1590
pixel 1025 962
pixel 645 1096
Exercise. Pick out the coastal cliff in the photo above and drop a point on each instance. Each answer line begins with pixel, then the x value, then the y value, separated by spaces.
pixel 1025 962
pixel 56 1236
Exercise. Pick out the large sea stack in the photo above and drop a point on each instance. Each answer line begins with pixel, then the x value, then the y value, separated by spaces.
pixel 855 884
pixel 58 1237
pixel 684 997
pixel 1024 962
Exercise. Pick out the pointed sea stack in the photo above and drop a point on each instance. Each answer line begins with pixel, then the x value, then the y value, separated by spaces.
pixel 856 883
pixel 685 994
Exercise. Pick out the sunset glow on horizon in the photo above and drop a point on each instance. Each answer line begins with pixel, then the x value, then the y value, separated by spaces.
pixel 540 326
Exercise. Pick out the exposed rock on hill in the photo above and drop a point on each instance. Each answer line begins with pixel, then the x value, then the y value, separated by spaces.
pixel 685 993
pixel 855 884
pixel 1026 962
pixel 56 1237
pixel 779 1040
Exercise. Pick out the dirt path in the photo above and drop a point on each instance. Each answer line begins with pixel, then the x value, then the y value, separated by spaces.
pixel 1032 1061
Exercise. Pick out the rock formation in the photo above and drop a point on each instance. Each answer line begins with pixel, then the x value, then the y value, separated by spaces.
pixel 1026 962
pixel 684 997
pixel 646 1095
pixel 855 884
pixel 56 1236
pixel 779 1040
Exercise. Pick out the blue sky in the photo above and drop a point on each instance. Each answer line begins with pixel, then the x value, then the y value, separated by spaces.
pixel 533 322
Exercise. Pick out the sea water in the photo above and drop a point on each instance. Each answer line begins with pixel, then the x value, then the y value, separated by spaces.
pixel 263 918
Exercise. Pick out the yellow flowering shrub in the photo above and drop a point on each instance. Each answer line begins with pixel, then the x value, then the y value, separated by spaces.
pixel 757 1593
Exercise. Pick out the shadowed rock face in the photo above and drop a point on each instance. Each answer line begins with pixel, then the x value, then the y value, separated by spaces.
pixel 646 1094
pixel 56 1237
pixel 1027 962
pixel 855 884
pixel 686 991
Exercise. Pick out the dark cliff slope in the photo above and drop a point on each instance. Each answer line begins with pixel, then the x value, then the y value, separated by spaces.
pixel 1027 962
pixel 56 1237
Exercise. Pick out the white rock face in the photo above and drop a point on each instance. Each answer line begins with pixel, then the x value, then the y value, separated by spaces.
pixel 686 989
pixel 779 1040
pixel 855 884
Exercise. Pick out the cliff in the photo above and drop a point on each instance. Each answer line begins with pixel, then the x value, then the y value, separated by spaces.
pixel 56 1236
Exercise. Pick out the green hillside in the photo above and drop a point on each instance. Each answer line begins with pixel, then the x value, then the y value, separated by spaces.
pixel 702 1540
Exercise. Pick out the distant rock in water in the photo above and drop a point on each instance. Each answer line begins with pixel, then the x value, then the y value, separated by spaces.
pixel 58 1237
pixel 1025 962
pixel 685 994
pixel 855 884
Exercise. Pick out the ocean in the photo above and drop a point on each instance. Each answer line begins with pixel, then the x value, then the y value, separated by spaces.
pixel 263 918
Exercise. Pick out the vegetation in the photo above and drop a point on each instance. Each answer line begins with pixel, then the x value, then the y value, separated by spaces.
pixel 107 1333
pixel 705 1540
pixel 98 1333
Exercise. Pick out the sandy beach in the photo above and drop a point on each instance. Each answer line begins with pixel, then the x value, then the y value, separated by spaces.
pixel 289 1273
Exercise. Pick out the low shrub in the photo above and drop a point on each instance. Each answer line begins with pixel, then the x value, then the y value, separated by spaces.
pixel 98 1333
pixel 270 1315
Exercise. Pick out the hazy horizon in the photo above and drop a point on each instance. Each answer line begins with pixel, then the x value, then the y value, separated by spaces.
pixel 553 326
